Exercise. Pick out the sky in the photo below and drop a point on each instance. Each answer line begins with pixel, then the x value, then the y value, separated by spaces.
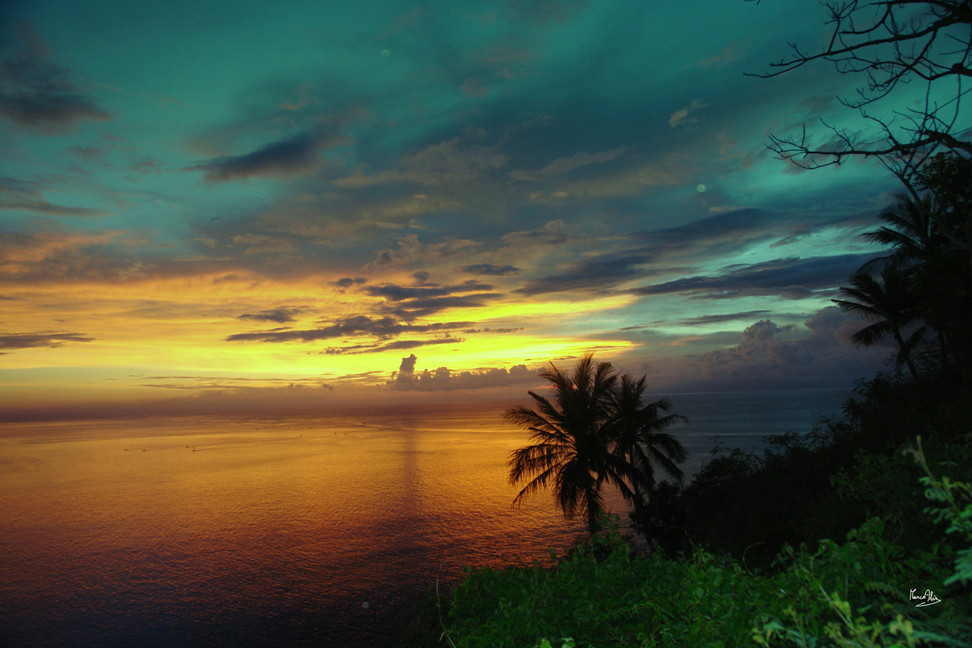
pixel 313 202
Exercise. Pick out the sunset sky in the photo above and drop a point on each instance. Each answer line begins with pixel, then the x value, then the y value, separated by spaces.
pixel 255 202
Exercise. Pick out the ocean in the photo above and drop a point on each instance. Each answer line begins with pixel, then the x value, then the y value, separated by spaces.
pixel 286 530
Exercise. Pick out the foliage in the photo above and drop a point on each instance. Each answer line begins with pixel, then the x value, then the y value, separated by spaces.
pixel 594 430
pixel 846 625
pixel 857 594
pixel 854 594
pixel 892 47
pixel 822 484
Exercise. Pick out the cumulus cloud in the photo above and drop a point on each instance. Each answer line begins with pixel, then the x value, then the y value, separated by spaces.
pixel 37 93
pixel 444 379
pixel 771 356
pixel 295 155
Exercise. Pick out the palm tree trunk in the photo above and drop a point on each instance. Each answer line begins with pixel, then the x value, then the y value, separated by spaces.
pixel 905 356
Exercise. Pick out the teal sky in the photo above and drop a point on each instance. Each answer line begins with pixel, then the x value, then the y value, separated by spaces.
pixel 307 194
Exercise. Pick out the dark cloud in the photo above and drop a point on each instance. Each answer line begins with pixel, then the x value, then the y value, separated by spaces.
pixel 295 155
pixel 356 349
pixel 444 379
pixel 414 308
pixel 20 195
pixel 726 317
pixel 596 274
pixel 551 233
pixel 728 231
pixel 411 302
pixel 770 356
pixel 37 93
pixel 512 329
pixel 395 292
pixel 792 278
pixel 43 207
pixel 278 315
pixel 490 269
pixel 383 327
pixel 349 282
pixel 30 340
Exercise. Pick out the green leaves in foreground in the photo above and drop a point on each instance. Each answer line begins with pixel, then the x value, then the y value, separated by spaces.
pixel 859 594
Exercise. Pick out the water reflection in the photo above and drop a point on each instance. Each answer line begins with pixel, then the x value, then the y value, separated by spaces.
pixel 275 532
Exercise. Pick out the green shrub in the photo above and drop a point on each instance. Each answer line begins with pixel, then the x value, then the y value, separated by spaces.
pixel 854 595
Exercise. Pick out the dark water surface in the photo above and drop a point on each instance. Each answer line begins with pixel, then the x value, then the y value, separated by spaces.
pixel 297 531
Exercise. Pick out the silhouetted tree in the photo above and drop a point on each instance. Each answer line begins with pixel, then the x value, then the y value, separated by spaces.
pixel 592 432
pixel 639 434
pixel 926 233
pixel 887 300
pixel 893 46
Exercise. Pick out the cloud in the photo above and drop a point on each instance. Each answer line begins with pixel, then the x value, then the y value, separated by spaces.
pixel 51 254
pixel 444 379
pixel 793 278
pixel 562 166
pixel 552 233
pixel 20 195
pixel 685 115
pixel 292 156
pixel 395 292
pixel 411 302
pixel 349 282
pixel 731 52
pixel 383 327
pixel 31 340
pixel 726 317
pixel 278 315
pixel 450 161
pixel 356 349
pixel 409 249
pixel 770 356
pixel 490 269
pixel 37 93
pixel 599 273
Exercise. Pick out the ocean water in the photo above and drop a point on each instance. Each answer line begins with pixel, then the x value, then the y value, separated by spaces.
pixel 283 531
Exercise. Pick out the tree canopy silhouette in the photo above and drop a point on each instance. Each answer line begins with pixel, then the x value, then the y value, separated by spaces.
pixel 893 46
pixel 595 430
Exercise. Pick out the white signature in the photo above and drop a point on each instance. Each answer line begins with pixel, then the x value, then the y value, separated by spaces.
pixel 925 599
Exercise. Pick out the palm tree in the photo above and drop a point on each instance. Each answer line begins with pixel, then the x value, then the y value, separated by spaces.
pixel 570 446
pixel 889 301
pixel 916 229
pixel 639 436
pixel 588 435
pixel 910 230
